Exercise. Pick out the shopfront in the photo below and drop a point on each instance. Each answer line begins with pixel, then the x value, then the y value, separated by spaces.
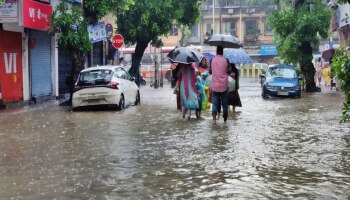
pixel 36 18
pixel 267 53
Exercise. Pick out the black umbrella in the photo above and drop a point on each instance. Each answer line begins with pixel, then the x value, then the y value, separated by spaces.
pixel 326 55
pixel 226 41
pixel 184 55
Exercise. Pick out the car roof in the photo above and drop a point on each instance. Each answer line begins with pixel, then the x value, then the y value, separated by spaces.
pixel 282 66
pixel 105 67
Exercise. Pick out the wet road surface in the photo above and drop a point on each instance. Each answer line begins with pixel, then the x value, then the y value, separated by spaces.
pixel 278 148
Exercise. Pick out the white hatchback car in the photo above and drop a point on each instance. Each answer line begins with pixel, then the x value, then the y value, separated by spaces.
pixel 105 85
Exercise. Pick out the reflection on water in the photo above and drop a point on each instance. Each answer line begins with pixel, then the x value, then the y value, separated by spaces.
pixel 270 149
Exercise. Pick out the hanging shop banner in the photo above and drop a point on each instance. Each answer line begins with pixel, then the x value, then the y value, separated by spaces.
pixel 36 15
pixel 268 50
pixel 97 32
pixel 8 11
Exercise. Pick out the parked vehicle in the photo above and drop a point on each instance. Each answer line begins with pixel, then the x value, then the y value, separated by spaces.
pixel 281 80
pixel 105 85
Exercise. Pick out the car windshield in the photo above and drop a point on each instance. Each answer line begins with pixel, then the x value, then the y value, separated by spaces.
pixel 95 77
pixel 282 72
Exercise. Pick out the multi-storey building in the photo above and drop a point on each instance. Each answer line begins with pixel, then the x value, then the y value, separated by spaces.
pixel 236 17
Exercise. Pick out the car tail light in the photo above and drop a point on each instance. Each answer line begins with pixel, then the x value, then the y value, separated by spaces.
pixel 114 85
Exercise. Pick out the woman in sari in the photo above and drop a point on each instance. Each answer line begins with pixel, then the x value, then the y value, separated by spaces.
pixel 188 91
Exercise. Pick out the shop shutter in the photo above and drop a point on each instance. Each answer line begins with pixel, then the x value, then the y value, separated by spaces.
pixel 11 80
pixel 40 62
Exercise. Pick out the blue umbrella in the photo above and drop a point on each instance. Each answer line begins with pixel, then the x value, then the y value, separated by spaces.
pixel 209 56
pixel 237 56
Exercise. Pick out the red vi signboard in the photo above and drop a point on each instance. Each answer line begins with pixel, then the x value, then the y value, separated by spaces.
pixel 36 15
pixel 11 66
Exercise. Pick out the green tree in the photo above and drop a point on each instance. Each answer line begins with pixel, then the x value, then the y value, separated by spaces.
pixel 260 2
pixel 343 1
pixel 296 30
pixel 70 22
pixel 147 20
pixel 185 35
pixel 341 70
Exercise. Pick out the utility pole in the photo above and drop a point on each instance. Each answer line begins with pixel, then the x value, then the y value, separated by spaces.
pixel 240 22
pixel 213 17
pixel 220 4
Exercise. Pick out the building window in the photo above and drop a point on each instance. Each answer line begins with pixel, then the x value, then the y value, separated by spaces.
pixel 195 31
pixel 174 30
pixel 230 28
pixel 231 3
pixel 251 27
pixel 209 30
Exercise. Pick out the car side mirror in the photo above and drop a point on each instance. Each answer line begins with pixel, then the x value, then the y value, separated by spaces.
pixel 133 78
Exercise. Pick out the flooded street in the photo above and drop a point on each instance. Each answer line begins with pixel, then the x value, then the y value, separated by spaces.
pixel 279 148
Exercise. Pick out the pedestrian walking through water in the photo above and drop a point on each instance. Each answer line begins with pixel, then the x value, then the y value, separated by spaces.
pixel 188 91
pixel 233 99
pixel 219 68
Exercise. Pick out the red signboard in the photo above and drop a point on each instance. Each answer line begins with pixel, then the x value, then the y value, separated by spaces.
pixel 36 15
pixel 118 41
pixel 11 81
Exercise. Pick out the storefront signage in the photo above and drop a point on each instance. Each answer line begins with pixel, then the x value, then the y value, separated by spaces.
pixel 11 66
pixel 268 50
pixel 97 32
pixel 36 15
pixel 8 11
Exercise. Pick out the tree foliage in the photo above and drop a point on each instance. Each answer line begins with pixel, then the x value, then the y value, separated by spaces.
pixel 260 2
pixel 296 30
pixel 63 20
pixel 147 20
pixel 341 70
pixel 343 1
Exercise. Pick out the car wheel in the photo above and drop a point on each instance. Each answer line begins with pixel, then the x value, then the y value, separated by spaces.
pixel 138 99
pixel 264 95
pixel 121 104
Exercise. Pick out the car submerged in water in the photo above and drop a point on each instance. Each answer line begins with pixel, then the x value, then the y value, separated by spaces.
pixel 105 85
pixel 281 80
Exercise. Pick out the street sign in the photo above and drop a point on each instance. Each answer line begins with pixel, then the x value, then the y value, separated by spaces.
pixel 118 41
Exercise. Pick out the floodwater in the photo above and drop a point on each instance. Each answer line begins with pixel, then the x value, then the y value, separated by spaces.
pixel 278 148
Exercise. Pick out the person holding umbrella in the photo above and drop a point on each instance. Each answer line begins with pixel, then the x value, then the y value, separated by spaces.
pixel 186 84
pixel 219 69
